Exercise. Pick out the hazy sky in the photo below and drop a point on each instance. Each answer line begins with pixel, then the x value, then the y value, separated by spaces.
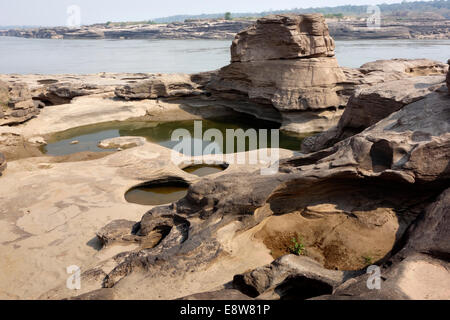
pixel 54 12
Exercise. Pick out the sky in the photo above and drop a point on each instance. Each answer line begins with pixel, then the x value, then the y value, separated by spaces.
pixel 55 12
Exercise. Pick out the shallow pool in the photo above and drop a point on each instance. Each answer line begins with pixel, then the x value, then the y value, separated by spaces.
pixel 88 137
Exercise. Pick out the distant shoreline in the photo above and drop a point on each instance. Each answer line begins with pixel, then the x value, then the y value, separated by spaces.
pixel 219 29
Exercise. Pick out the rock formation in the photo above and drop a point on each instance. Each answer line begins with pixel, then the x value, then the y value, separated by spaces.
pixel 373 185
pixel 341 29
pixel 286 62
pixel 192 29
pixel 284 278
pixel 2 163
pixel 167 85
pixel 121 142
pixel 16 104
pixel 373 190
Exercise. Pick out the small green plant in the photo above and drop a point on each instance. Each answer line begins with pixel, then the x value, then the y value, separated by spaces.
pixel 227 16
pixel 297 248
pixel 368 260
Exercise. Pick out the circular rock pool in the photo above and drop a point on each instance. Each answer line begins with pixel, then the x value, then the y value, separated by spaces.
pixel 157 192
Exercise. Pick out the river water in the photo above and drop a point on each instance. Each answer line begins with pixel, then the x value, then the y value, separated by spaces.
pixel 47 56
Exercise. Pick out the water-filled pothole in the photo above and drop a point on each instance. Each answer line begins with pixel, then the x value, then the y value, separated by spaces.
pixel 88 137
pixel 157 192
pixel 203 169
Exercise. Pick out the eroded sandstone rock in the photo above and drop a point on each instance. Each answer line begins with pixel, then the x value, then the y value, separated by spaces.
pixel 2 163
pixel 448 78
pixel 16 104
pixel 64 92
pixel 394 169
pixel 419 270
pixel 370 104
pixel 121 142
pixel 283 37
pixel 289 276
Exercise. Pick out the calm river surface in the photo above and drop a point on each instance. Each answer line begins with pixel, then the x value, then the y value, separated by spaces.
pixel 46 56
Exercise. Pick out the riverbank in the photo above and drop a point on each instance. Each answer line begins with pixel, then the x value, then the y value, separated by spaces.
pixel 345 29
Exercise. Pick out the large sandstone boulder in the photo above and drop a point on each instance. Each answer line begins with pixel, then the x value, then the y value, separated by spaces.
pixel 379 71
pixel 370 104
pixel 16 104
pixel 286 62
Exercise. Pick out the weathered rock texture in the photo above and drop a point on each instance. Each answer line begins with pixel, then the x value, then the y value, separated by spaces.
pixel 191 29
pixel 376 194
pixel 420 270
pixel 121 142
pixel 16 104
pixel 448 78
pixel 296 36
pixel 2 163
pixel 290 277
pixel 286 62
pixel 381 88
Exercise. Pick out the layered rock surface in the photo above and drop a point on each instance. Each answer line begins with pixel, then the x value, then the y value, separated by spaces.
pixel 169 85
pixel 192 29
pixel 448 77
pixel 376 197
pixel 369 188
pixel 341 29
pixel 285 62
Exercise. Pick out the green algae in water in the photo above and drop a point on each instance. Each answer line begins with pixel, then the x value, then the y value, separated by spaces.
pixel 88 137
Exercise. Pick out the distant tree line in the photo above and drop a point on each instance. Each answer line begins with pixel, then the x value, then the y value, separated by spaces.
pixel 438 7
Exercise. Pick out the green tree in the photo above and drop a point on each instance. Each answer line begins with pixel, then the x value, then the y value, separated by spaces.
pixel 227 16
